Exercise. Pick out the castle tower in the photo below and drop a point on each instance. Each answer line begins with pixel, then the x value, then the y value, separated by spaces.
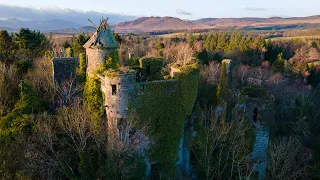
pixel 117 88
pixel 101 44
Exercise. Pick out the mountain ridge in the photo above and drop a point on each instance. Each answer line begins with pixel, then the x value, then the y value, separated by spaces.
pixel 158 24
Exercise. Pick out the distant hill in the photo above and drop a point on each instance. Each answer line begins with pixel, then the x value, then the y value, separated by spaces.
pixel 162 24
pixel 150 24
pixel 15 24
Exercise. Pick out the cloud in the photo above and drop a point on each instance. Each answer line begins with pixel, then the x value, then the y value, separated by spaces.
pixel 180 11
pixel 44 14
pixel 255 9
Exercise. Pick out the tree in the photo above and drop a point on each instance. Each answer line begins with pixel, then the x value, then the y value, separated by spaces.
pixel 221 147
pixel 184 55
pixel 9 81
pixel 69 52
pixel 214 42
pixel 222 42
pixel 14 127
pixel 77 44
pixel 66 45
pixel 191 39
pixel 288 159
pixel 278 65
pixel 234 41
pixel 207 42
pixel 6 47
pixel 72 145
pixel 31 43
pixel 117 37
pixel 223 92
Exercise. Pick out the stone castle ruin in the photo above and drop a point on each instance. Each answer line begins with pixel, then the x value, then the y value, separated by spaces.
pixel 163 98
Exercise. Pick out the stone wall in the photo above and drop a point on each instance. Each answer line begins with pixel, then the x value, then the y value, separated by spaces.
pixel 117 90
pixel 96 56
pixel 63 69
pixel 259 156
pixel 265 108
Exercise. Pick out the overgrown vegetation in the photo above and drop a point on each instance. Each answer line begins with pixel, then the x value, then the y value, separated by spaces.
pixel 50 131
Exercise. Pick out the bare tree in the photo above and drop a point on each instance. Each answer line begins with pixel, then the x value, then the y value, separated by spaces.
pixel 211 73
pixel 9 81
pixel 68 91
pixel 222 147
pixel 60 141
pixel 185 55
pixel 41 78
pixel 288 159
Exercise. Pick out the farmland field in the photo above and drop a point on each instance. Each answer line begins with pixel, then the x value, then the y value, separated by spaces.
pixel 296 37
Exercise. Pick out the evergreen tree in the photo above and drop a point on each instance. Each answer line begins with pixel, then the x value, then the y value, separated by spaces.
pixel 69 52
pixel 191 39
pixel 222 90
pixel 66 45
pixel 222 42
pixel 6 46
pixel 278 65
pixel 207 42
pixel 77 44
pixel 214 42
pixel 234 41
pixel 31 43
pixel 117 37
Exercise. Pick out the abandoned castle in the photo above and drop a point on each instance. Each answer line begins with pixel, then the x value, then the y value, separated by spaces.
pixel 163 99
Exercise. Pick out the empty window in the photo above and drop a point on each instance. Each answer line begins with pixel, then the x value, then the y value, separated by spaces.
pixel 255 114
pixel 114 89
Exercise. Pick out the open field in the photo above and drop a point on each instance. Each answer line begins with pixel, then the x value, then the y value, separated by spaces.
pixel 59 39
pixel 180 34
pixel 295 37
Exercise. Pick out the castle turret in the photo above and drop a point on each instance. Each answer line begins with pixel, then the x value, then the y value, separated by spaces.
pixel 101 44
pixel 118 89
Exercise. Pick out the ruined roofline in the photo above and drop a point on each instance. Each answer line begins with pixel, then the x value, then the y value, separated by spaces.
pixel 102 38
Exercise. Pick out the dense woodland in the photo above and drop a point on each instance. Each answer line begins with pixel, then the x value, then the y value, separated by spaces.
pixel 50 131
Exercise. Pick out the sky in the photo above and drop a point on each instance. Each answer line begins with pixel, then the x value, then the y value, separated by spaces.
pixel 184 9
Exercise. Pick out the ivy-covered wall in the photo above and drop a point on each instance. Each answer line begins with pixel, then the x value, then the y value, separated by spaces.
pixel 151 67
pixel 164 106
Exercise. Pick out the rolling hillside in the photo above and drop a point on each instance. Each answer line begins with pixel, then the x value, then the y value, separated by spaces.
pixel 162 24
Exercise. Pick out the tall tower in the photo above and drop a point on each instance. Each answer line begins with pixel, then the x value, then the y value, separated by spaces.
pixel 101 44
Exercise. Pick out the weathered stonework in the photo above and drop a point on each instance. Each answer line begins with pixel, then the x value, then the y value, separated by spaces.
pixel 95 57
pixel 63 69
pixel 265 108
pixel 229 65
pixel 117 90
pixel 101 44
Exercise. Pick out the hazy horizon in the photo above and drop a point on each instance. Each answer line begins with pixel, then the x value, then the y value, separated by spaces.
pixel 183 10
